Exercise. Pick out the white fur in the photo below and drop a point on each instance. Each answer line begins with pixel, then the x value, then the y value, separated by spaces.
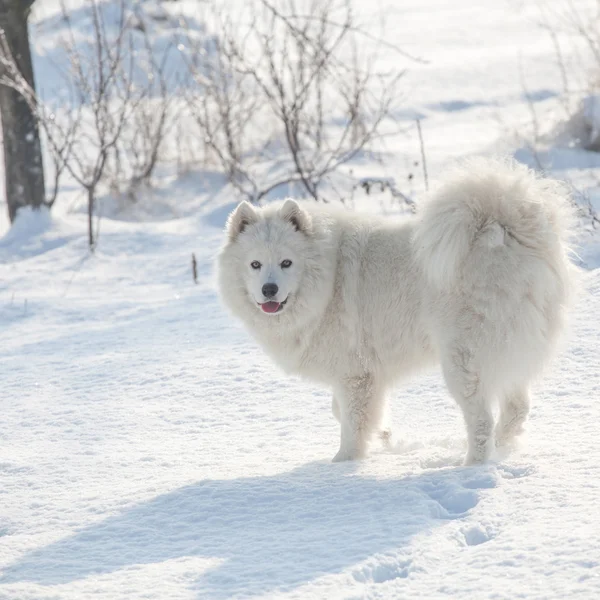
pixel 478 281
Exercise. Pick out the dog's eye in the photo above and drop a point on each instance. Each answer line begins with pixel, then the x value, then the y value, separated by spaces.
pixel 286 263
pixel 255 264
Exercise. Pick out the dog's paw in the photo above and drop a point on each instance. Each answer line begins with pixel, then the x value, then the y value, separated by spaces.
pixel 473 459
pixel 348 454
pixel 342 456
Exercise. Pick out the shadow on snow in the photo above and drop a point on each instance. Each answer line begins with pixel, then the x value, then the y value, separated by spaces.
pixel 272 533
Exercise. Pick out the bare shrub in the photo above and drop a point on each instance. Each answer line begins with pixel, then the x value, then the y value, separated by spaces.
pixel 286 97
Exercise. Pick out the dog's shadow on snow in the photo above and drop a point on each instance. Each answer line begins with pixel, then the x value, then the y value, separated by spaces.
pixel 269 533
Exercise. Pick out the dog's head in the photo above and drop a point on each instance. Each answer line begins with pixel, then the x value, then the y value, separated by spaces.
pixel 264 262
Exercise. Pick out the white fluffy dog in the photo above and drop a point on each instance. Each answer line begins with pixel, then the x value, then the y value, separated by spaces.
pixel 478 281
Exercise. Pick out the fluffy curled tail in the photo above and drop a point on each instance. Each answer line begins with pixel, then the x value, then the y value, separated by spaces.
pixel 485 204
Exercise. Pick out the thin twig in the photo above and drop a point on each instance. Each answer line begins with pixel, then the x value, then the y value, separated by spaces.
pixel 423 159
pixel 194 268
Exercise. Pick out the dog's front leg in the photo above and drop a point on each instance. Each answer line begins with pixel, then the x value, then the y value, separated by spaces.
pixel 360 403
pixel 335 408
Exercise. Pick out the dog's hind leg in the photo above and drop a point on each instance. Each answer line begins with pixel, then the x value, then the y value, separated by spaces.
pixel 514 409
pixel 360 402
pixel 463 382
pixel 479 422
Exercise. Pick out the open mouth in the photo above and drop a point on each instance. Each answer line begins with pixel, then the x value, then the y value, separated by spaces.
pixel 272 307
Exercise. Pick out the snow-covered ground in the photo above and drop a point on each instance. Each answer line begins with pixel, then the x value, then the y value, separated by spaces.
pixel 148 449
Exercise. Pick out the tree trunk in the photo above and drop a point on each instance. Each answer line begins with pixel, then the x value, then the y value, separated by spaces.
pixel 24 172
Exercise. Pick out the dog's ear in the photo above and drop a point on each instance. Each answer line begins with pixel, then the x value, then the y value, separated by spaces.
pixel 291 211
pixel 240 218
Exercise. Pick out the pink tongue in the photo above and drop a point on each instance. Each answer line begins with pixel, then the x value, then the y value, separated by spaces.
pixel 270 307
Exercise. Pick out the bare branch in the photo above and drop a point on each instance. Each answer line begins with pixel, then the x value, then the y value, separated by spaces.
pixel 289 71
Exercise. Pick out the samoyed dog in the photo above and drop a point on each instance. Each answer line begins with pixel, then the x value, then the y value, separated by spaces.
pixel 478 281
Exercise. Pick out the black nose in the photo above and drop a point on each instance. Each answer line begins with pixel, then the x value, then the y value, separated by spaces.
pixel 269 290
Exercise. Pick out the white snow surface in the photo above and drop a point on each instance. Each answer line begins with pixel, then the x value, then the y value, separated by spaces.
pixel 149 449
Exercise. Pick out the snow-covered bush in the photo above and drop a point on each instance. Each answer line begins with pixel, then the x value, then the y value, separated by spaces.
pixel 275 95
pixel 562 135
pixel 109 126
pixel 286 94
